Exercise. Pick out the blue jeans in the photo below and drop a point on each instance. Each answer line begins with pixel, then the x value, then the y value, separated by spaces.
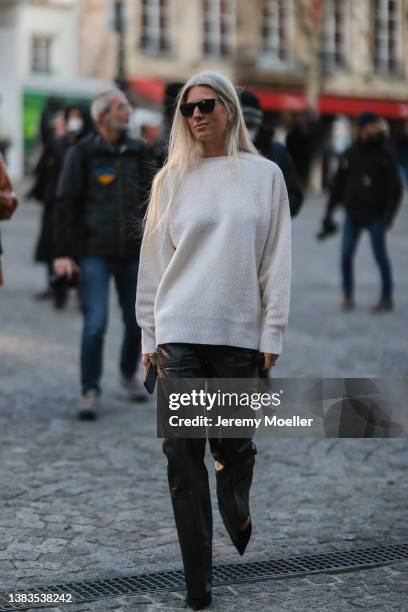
pixel 95 276
pixel 351 234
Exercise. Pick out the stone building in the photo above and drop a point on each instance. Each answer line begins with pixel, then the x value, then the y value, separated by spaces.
pixel 335 55
pixel 36 41
pixel 39 54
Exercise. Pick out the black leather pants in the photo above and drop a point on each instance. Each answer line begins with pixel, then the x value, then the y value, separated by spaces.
pixel 187 473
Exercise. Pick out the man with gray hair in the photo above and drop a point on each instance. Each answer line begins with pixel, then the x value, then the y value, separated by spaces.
pixel 102 197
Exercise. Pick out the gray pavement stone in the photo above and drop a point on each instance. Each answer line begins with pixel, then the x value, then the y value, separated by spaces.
pixel 84 501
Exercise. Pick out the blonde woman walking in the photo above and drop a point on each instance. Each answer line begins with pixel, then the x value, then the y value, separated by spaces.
pixel 212 298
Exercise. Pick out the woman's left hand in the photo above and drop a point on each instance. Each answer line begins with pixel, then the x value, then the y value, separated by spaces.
pixel 270 359
pixel 146 357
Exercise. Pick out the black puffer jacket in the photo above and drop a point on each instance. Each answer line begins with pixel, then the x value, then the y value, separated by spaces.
pixel 102 198
pixel 367 183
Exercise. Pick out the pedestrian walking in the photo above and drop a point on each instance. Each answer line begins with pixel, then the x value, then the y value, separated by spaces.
pixel 101 202
pixel 271 148
pixel 43 190
pixel 368 184
pixel 213 297
pixel 48 170
pixel 337 141
pixel 8 203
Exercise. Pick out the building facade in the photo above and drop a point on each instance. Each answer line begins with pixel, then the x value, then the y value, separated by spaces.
pixel 330 54
pixel 37 43
pixel 336 56
pixel 39 53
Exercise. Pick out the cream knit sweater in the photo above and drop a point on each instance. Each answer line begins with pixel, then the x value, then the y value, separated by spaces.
pixel 218 272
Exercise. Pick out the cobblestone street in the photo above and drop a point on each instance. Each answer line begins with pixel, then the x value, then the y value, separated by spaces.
pixel 87 500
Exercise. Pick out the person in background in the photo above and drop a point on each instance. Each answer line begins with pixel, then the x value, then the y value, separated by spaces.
pixel 384 130
pixel 8 203
pixel 271 149
pixel 77 123
pixel 101 201
pixel 301 142
pixel 69 127
pixel 337 142
pixel 368 184
pixel 53 108
pixel 46 174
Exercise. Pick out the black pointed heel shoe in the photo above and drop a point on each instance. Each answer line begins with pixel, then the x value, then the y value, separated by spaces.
pixel 243 538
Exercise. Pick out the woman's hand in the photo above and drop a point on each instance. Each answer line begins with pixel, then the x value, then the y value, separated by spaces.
pixel 270 359
pixel 65 266
pixel 146 357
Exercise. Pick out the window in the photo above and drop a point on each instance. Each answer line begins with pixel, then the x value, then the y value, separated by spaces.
pixel 155 36
pixel 41 47
pixel 276 22
pixel 387 36
pixel 219 25
pixel 334 34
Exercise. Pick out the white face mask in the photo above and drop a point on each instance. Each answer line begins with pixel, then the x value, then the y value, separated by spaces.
pixel 252 133
pixel 75 125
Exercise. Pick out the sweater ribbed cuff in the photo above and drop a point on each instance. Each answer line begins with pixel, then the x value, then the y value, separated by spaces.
pixel 148 341
pixel 271 342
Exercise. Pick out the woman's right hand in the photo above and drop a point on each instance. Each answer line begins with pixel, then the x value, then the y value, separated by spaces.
pixel 146 357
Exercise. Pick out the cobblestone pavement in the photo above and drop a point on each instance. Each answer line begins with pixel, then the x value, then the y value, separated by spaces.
pixel 87 500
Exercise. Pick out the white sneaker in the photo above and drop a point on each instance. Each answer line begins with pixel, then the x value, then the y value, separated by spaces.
pixel 89 405
pixel 134 389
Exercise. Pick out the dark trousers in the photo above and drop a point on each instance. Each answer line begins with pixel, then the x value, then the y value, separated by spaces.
pixel 187 473
pixel 96 273
pixel 351 234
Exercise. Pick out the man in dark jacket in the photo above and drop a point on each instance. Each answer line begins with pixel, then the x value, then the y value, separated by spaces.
pixel 368 184
pixel 101 201
pixel 271 149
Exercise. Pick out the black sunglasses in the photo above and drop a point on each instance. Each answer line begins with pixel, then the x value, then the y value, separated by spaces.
pixel 204 106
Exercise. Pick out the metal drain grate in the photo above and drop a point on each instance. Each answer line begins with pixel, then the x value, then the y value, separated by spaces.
pixel 334 562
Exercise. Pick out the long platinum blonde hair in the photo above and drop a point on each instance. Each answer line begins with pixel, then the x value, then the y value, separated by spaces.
pixel 184 151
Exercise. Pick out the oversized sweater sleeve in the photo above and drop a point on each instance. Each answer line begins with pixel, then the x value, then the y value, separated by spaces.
pixel 275 270
pixel 156 252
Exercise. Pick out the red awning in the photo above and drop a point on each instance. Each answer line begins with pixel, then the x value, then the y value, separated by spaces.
pixel 393 109
pixel 153 89
pixel 277 100
pixel 295 101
